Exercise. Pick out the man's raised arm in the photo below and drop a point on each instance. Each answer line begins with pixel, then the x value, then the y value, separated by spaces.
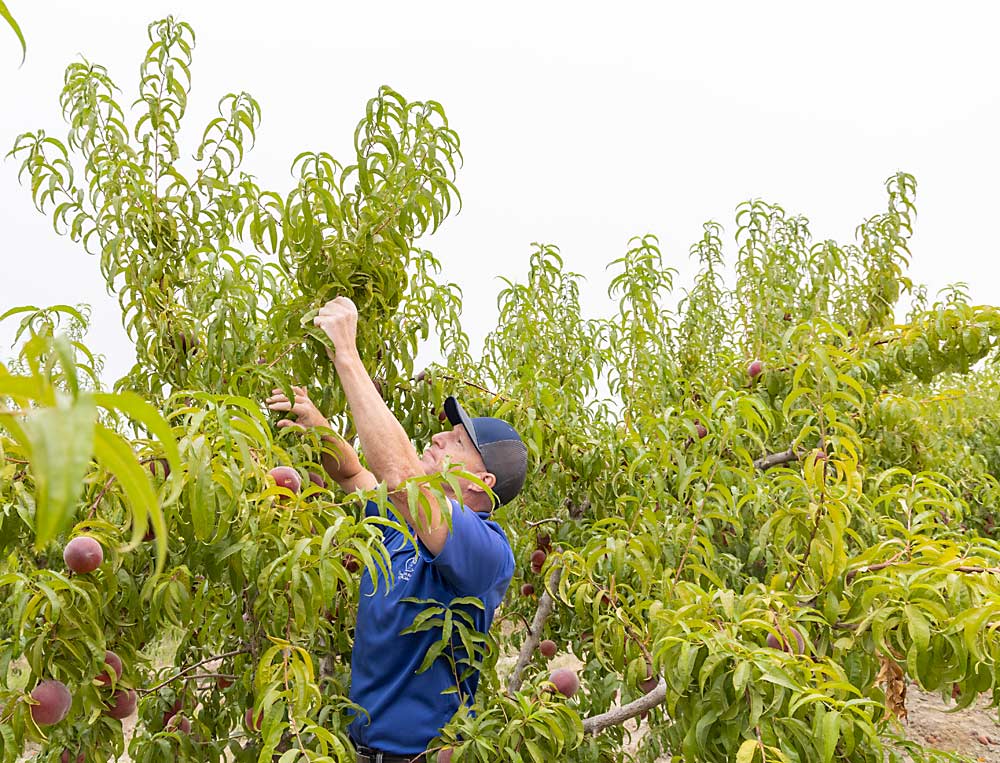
pixel 387 448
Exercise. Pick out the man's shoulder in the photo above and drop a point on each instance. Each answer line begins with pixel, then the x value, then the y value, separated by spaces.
pixel 485 516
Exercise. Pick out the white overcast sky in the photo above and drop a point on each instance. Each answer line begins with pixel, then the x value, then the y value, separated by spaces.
pixel 581 125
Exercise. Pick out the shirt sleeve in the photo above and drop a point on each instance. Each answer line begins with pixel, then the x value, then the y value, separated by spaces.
pixel 475 555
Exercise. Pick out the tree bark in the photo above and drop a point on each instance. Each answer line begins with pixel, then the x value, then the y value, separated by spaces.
pixel 597 723
pixel 776 459
pixel 545 604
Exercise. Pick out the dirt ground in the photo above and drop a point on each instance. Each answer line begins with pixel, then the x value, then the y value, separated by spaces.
pixel 973 732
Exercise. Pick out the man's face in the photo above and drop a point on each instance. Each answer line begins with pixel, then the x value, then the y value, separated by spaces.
pixel 455 445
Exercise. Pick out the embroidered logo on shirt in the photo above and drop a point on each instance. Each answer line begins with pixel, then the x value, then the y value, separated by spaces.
pixel 408 568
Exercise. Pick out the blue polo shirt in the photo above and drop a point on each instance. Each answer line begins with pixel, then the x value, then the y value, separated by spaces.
pixel 407 710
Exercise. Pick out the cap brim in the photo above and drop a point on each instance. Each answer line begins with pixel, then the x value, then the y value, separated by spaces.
pixel 456 415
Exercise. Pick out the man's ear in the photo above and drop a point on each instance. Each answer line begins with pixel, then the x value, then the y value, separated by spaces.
pixel 488 477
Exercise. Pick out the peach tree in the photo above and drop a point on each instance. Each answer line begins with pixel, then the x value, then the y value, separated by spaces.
pixel 753 512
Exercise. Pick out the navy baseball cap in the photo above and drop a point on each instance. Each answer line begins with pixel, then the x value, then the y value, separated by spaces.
pixel 504 453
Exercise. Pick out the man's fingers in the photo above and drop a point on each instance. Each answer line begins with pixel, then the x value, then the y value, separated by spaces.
pixel 289 423
pixel 300 391
pixel 280 405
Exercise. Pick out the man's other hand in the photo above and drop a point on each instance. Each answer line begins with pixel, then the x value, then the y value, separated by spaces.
pixel 339 319
pixel 306 412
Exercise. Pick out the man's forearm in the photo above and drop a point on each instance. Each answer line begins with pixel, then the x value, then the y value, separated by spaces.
pixel 388 451
pixel 387 448
pixel 339 459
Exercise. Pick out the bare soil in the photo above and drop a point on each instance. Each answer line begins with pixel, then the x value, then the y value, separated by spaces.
pixel 933 722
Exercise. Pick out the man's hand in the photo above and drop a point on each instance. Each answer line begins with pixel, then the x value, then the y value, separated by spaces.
pixel 306 413
pixel 339 319
pixel 338 457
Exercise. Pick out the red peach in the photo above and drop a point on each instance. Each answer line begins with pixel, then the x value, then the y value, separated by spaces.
pixel 122 704
pixel 83 554
pixel 566 681
pixel 54 702
pixel 287 477
pixel 115 663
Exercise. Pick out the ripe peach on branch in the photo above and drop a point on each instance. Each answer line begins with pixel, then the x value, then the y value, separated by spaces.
pixel 114 662
pixel 83 554
pixel 53 701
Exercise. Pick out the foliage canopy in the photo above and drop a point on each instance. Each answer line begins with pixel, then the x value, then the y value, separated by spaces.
pixel 845 493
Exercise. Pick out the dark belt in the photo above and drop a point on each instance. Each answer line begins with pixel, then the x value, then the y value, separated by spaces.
pixel 370 755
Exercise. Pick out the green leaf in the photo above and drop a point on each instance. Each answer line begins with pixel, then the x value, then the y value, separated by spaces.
pixel 747 751
pixel 830 734
pixel 116 456
pixel 61 441
pixel 432 654
pixel 134 406
pixel 918 627
pixel 5 14
pixel 741 676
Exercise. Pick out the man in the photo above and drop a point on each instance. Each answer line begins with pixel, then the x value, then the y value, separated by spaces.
pixel 405 709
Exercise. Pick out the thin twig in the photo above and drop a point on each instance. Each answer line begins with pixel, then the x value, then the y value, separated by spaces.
pixel 973 570
pixel 875 567
pixel 189 668
pixel 291 716
pixel 104 490
pixel 809 545
pixel 467 383
pixel 543 521
pixel 290 348
pixel 107 485
pixel 198 677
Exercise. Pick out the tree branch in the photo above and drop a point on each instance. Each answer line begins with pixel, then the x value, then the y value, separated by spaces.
pixel 210 675
pixel 874 567
pixel 100 495
pixel 189 668
pixel 966 569
pixel 597 723
pixel 467 383
pixel 545 603
pixel 776 459
pixel 973 570
pixel 542 521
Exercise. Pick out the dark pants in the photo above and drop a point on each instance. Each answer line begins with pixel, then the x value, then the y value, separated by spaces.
pixel 369 755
